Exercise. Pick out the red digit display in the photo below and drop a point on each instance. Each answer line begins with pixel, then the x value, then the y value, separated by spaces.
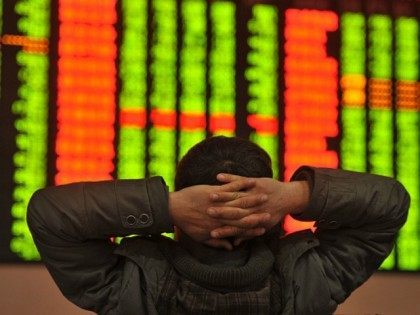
pixel 86 85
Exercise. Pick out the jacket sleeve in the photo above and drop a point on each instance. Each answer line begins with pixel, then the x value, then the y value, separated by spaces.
pixel 72 225
pixel 357 218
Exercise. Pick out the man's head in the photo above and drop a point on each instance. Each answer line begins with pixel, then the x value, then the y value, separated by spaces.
pixel 221 154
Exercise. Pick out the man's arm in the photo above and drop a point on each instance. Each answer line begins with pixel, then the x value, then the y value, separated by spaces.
pixel 72 225
pixel 357 218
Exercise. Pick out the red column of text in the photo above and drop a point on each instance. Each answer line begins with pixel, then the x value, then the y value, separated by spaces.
pixel 311 101
pixel 86 87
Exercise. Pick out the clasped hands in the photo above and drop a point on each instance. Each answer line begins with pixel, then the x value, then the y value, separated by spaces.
pixel 241 208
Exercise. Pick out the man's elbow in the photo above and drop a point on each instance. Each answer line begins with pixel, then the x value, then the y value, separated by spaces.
pixel 402 204
pixel 34 211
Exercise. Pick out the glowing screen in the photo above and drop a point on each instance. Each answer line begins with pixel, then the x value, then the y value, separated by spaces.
pixel 94 90
pixel 86 86
pixel 26 47
pixel 262 77
pixel 132 96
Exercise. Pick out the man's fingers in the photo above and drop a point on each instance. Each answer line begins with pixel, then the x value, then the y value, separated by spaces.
pixel 229 231
pixel 242 183
pixel 227 178
pixel 226 231
pixel 226 196
pixel 250 201
pixel 240 199
pixel 228 213
pixel 250 221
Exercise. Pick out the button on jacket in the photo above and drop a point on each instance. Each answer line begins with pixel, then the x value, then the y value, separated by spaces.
pixel 357 217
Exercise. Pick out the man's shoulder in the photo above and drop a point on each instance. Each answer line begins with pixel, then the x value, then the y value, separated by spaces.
pixel 296 263
pixel 145 269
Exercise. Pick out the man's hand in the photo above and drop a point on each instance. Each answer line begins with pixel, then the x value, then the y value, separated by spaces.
pixel 188 210
pixel 282 198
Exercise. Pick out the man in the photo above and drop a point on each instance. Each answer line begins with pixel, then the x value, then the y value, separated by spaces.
pixel 218 266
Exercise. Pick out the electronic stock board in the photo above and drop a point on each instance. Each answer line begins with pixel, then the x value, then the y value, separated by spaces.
pixel 101 89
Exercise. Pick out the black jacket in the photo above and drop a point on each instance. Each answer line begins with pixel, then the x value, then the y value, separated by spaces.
pixel 357 218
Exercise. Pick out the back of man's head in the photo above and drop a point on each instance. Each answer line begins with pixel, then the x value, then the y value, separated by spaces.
pixel 220 154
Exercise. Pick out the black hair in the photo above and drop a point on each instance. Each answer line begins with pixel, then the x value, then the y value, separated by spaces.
pixel 220 154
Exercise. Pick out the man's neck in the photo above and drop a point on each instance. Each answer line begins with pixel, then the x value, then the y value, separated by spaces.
pixel 215 257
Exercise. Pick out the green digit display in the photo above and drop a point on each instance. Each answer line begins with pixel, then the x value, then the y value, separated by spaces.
pixel 132 98
pixel 222 68
pixel 133 88
pixel 408 136
pixel 381 141
pixel 31 109
pixel 380 95
pixel 192 100
pixel 380 46
pixel 262 76
pixel 163 93
pixel 353 82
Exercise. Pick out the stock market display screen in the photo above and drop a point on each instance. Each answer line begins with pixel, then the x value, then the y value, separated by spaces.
pixel 102 89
